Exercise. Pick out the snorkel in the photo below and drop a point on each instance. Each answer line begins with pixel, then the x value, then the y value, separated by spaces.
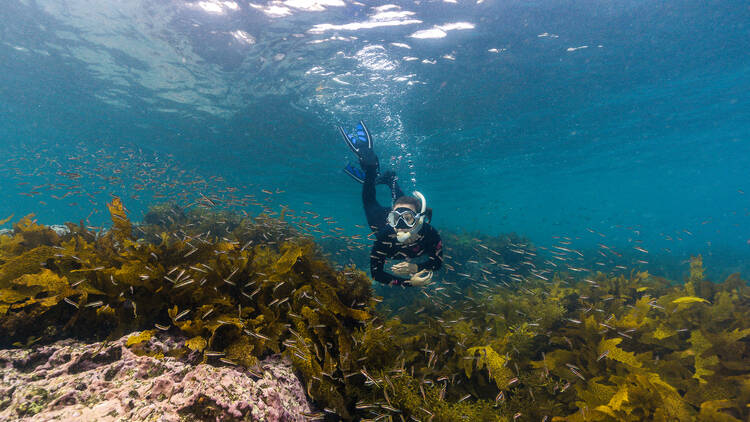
pixel 411 235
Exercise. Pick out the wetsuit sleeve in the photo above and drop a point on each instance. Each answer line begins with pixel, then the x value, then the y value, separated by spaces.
pixel 377 261
pixel 434 248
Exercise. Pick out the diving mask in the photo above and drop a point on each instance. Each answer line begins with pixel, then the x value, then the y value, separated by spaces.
pixel 404 218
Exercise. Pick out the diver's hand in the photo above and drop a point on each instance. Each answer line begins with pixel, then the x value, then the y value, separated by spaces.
pixel 404 268
pixel 421 278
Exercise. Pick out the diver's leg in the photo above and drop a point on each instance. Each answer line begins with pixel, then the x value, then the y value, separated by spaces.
pixel 361 143
pixel 374 212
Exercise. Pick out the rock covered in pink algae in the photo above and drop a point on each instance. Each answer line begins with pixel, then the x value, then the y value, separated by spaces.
pixel 74 381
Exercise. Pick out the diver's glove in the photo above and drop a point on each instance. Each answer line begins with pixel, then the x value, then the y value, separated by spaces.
pixel 421 278
pixel 404 269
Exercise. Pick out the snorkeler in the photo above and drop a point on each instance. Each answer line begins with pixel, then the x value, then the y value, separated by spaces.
pixel 403 231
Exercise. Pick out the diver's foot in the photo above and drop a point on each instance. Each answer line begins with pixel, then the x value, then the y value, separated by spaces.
pixel 355 172
pixel 360 175
pixel 368 160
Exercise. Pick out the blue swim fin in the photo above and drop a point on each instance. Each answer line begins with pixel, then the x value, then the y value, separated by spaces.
pixel 360 142
pixel 355 172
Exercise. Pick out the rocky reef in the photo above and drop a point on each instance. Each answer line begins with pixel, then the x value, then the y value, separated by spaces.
pixel 124 380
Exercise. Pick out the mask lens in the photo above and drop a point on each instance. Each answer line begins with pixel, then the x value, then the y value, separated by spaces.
pixel 392 218
pixel 408 218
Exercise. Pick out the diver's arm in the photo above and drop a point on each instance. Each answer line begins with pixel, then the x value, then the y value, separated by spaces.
pixel 377 262
pixel 435 252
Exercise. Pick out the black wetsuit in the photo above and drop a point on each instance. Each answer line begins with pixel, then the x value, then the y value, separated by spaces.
pixel 386 246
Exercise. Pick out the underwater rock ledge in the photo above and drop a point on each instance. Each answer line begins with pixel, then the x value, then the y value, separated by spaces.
pixel 107 381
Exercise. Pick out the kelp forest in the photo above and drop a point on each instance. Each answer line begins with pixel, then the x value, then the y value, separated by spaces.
pixel 475 345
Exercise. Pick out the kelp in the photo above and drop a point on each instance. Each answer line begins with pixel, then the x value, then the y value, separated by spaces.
pixel 601 348
pixel 236 288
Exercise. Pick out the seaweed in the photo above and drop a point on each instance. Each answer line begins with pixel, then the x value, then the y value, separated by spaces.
pixel 600 348
pixel 235 287
pixel 483 346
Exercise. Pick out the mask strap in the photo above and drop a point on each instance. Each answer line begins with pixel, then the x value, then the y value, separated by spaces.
pixel 424 201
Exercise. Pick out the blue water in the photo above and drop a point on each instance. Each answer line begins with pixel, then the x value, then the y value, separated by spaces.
pixel 618 123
